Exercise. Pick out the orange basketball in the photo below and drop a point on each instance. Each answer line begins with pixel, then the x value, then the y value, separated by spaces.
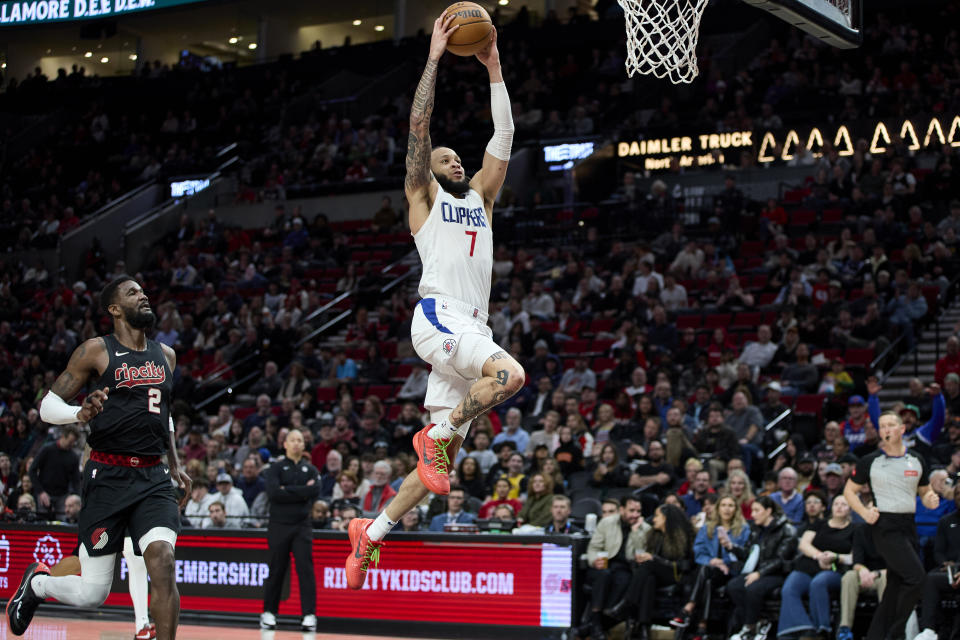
pixel 475 28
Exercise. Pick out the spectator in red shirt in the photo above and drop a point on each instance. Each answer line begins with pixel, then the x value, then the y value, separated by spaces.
pixel 501 489
pixel 906 79
pixel 773 217
pixel 380 492
pixel 326 441
pixel 949 363
pixel 195 449
pixel 588 403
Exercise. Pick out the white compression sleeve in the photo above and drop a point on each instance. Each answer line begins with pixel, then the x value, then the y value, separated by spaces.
pixel 137 569
pixel 89 589
pixel 53 410
pixel 502 140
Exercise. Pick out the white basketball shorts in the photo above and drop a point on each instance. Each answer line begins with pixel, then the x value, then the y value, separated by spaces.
pixel 454 338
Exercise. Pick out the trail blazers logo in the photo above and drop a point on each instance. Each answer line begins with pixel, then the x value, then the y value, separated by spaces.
pixel 130 377
pixel 99 538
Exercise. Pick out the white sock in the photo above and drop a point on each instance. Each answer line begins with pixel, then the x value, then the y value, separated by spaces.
pixel 442 431
pixel 380 527
pixel 137 581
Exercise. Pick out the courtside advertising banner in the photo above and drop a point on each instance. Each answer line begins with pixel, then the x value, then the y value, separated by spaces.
pixel 474 579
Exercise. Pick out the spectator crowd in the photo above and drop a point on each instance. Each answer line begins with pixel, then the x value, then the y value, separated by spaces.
pixel 705 387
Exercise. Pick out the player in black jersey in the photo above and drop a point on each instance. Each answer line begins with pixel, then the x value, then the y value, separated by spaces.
pixel 127 488
pixel 896 475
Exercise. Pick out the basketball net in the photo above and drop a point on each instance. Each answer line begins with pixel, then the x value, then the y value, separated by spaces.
pixel 662 37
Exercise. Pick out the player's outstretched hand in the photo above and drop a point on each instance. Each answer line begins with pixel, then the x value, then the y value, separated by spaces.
pixel 934 389
pixel 93 405
pixel 489 54
pixel 441 34
pixel 873 386
pixel 184 482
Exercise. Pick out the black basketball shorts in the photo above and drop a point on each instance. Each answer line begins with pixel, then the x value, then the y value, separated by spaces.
pixel 123 501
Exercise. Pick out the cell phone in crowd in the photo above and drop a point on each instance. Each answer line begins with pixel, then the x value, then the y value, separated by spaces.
pixel 950 573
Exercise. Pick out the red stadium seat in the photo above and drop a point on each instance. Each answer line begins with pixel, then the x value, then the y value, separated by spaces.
pixel 241 413
pixel 689 321
pixel 601 346
pixel 749 319
pixel 832 215
pixel 326 394
pixel 932 294
pixel 810 404
pixel 602 364
pixel 829 354
pixel 858 357
pixel 382 391
pixel 601 325
pixel 575 346
pixel 718 321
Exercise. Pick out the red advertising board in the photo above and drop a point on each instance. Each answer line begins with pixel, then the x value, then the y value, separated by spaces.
pixel 526 581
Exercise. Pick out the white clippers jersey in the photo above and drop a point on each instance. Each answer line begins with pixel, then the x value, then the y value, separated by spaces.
pixel 456 248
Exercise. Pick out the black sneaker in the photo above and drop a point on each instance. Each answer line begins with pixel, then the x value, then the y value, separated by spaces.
pixel 24 603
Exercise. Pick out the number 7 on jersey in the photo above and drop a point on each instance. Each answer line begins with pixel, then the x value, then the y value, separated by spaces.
pixel 473 240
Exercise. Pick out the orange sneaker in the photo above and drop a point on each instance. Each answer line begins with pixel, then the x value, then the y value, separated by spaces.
pixel 145 634
pixel 433 463
pixel 363 552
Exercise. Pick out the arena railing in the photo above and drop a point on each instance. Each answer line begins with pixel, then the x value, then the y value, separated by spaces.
pixel 306 321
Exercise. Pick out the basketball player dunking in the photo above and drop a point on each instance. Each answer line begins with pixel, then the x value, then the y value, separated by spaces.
pixel 450 219
pixel 127 490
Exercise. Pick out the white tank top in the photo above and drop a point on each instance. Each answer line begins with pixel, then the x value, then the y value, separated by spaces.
pixel 456 248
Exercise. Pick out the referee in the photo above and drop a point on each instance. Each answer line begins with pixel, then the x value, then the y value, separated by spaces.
pixel 292 486
pixel 895 475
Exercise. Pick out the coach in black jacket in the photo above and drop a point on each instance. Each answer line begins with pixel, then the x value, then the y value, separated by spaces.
pixel 292 485
pixel 946 553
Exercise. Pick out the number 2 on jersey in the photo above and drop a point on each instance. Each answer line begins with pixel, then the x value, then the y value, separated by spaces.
pixel 473 240
pixel 153 400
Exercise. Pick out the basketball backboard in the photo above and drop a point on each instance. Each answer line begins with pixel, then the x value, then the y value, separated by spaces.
pixel 837 22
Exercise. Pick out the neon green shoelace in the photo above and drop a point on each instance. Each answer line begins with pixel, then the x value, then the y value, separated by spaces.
pixel 372 555
pixel 442 462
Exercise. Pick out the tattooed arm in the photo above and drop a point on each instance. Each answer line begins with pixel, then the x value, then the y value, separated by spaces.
pixel 89 359
pixel 419 181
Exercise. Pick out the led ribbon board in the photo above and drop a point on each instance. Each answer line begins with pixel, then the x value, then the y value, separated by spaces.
pixel 44 11
pixel 784 145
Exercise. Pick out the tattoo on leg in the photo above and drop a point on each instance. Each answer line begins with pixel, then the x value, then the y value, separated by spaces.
pixel 502 377
pixel 472 406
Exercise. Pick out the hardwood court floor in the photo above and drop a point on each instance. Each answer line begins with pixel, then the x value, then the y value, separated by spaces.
pixel 50 628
